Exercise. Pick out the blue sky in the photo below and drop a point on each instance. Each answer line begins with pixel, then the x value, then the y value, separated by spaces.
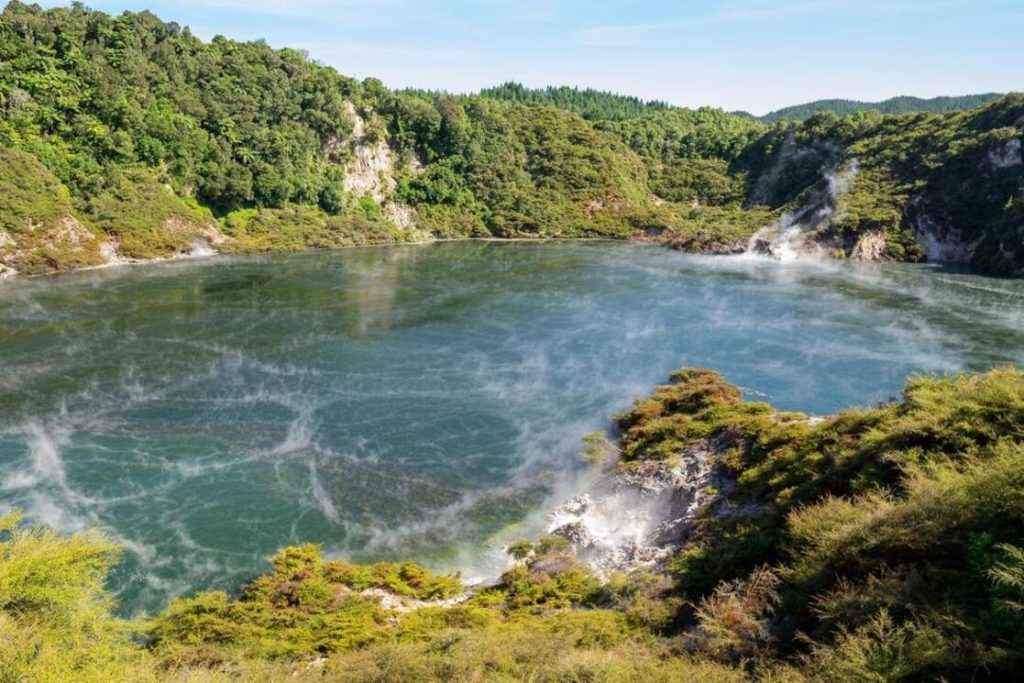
pixel 756 55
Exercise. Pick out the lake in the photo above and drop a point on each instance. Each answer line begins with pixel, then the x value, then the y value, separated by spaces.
pixel 419 402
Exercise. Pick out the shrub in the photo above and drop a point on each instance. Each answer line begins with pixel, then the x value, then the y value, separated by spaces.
pixel 55 617
pixel 732 621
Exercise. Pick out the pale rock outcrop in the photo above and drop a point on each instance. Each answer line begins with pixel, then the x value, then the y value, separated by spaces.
pixel 203 240
pixel 797 233
pixel 372 170
pixel 870 247
pixel 402 603
pixel 70 233
pixel 208 235
pixel 399 214
pixel 108 252
pixel 636 516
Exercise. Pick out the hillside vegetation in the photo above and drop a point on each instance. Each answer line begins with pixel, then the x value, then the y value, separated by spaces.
pixel 151 143
pixel 881 544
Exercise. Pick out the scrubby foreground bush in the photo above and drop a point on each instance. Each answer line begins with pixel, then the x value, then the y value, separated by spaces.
pixel 880 544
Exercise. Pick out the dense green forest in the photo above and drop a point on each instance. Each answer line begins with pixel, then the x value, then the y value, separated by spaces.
pixel 129 138
pixel 591 104
pixel 894 105
pixel 879 544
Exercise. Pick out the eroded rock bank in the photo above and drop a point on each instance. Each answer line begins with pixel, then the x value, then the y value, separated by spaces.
pixel 672 474
pixel 635 517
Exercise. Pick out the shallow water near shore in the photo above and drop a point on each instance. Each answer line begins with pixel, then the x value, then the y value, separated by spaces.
pixel 416 401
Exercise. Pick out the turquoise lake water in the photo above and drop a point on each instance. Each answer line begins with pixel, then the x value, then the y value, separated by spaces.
pixel 421 401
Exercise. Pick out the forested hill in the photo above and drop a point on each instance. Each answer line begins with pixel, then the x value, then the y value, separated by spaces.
pixel 129 138
pixel 587 102
pixel 893 105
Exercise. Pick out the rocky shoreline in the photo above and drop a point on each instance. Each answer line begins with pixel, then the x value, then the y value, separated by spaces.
pixel 636 516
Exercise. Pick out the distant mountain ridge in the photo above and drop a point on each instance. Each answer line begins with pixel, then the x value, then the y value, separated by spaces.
pixel 902 104
pixel 603 105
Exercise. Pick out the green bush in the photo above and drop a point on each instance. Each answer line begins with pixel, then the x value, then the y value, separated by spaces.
pixel 55 617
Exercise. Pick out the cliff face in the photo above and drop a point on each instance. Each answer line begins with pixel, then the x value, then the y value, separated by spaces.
pixel 373 172
pixel 944 189
pixel 971 211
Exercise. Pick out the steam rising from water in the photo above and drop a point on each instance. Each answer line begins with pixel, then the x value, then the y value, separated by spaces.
pixel 415 401
pixel 786 239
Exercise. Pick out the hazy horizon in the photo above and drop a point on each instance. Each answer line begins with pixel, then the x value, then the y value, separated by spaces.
pixel 752 55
